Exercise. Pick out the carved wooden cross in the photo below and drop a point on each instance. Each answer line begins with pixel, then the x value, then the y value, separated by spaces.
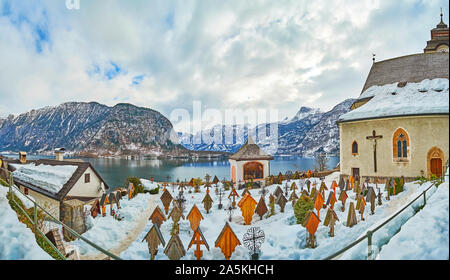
pixel 374 138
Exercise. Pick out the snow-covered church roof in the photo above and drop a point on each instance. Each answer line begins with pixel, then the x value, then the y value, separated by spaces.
pixel 427 97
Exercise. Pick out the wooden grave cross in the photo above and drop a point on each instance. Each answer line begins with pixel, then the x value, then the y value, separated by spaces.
pixel 318 204
pixel 154 238
pixel 247 205
pixel 227 241
pixel 233 194
pixel 343 197
pixel 157 216
pixel 374 137
pixel 197 240
pixel 166 199
pixel 261 208
pixel 194 217
pixel 207 202
pixel 281 201
pixel 175 249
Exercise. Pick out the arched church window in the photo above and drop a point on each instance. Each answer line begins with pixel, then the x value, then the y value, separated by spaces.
pixel 355 147
pixel 400 144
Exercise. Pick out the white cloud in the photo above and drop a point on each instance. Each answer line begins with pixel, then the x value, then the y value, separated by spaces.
pixel 229 54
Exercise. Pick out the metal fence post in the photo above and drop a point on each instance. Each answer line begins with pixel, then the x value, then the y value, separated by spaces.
pixel 35 216
pixel 424 198
pixel 369 244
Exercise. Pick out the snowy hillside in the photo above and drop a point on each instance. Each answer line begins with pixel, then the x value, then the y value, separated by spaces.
pixel 17 242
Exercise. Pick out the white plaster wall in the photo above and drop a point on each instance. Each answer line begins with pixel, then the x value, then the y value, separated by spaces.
pixel 87 189
pixel 424 133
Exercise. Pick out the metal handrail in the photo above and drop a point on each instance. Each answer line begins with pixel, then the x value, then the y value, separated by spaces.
pixel 52 218
pixel 369 233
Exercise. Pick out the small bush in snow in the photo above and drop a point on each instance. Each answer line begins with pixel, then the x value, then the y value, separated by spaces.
pixel 301 208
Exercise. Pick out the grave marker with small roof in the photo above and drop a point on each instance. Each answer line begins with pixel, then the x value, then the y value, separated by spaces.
pixel 318 204
pixel 130 190
pixel 233 194
pixel 293 196
pixel 330 220
pixel 351 218
pixel 334 185
pixel 154 238
pixel 197 240
pixel 118 198
pixel 247 205
pixel 157 216
pixel 175 249
pixel 308 185
pixel 207 202
pixel 215 180
pixel 341 184
pixel 278 191
pixel 103 202
pixel 244 192
pixel 362 205
pixel 311 222
pixel 166 199
pixel 194 217
pixel 176 214
pixel 281 201
pixel 371 196
pixel 227 241
pixel 261 208
pixel 95 209
pixel 331 199
pixel 294 186
pixel 343 197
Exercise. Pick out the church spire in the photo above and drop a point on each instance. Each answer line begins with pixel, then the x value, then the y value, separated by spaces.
pixel 441 24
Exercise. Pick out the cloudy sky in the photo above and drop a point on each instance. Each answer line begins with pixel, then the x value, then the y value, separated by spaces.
pixel 227 54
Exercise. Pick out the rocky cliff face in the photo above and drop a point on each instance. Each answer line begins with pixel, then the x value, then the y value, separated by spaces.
pixel 89 128
pixel 308 132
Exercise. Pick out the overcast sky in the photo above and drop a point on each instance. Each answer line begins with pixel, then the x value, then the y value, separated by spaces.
pixel 227 54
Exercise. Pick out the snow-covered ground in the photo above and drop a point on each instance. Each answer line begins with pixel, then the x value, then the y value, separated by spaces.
pixel 17 242
pixel 284 238
pixel 149 185
pixel 51 178
pixel 110 233
pixel 426 235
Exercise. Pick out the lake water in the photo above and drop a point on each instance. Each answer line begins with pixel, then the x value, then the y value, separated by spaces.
pixel 115 171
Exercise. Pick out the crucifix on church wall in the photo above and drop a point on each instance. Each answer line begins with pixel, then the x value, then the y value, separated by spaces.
pixel 374 137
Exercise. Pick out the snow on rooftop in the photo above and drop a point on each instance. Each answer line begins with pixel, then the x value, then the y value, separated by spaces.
pixel 426 97
pixel 48 177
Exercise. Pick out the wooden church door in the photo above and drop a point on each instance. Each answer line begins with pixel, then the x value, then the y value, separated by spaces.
pixel 436 167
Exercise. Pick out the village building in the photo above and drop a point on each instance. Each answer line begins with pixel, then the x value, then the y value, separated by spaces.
pixel 399 125
pixel 54 183
pixel 250 163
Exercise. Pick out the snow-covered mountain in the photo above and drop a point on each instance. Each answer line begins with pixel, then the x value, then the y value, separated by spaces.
pixel 89 128
pixel 309 131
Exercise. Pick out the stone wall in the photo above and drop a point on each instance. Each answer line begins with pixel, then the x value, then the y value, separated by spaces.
pixel 72 214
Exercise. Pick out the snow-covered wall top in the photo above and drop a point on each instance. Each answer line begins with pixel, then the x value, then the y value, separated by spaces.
pixel 47 177
pixel 426 97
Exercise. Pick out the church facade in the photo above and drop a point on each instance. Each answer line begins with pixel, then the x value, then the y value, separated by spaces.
pixel 399 125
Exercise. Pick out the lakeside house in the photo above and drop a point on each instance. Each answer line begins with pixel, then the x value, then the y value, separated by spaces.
pixel 399 125
pixel 56 182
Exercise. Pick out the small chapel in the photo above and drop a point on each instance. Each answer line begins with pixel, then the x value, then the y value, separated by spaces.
pixel 249 163
pixel 399 125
